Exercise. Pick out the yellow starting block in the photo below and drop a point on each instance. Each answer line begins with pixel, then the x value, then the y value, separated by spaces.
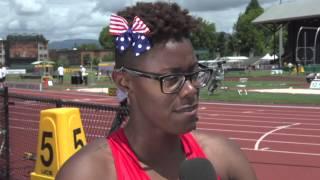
pixel 60 135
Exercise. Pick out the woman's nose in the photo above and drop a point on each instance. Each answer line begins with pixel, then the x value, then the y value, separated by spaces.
pixel 188 88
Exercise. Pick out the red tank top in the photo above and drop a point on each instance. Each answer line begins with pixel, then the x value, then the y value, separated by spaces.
pixel 127 164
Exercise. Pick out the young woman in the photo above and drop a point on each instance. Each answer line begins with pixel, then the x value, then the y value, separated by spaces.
pixel 157 67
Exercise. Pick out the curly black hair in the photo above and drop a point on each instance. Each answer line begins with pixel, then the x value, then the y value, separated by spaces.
pixel 166 21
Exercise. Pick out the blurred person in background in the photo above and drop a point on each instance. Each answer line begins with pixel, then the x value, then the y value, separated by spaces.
pixel 60 74
pixel 84 75
pixel 3 74
pixel 216 78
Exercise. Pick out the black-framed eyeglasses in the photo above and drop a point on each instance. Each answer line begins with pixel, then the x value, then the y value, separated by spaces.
pixel 172 83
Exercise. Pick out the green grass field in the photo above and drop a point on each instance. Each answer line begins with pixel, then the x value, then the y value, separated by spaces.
pixel 263 80
pixel 261 98
pixel 257 80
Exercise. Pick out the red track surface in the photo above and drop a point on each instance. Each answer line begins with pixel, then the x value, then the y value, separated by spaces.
pixel 281 142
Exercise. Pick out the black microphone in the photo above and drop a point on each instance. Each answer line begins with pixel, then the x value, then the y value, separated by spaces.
pixel 197 169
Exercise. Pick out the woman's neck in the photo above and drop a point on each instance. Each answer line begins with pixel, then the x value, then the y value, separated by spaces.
pixel 153 145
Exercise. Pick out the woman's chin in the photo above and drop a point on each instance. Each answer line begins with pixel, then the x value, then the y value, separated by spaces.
pixel 188 124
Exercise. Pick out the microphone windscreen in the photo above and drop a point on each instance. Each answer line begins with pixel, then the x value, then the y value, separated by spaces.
pixel 197 169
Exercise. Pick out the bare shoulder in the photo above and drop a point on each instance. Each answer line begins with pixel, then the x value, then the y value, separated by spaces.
pixel 94 161
pixel 226 156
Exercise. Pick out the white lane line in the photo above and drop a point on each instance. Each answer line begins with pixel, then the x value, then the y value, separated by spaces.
pixel 313 118
pixel 247 112
pixel 23 128
pixel 277 142
pixel 256 146
pixel 259 121
pixel 211 115
pixel 254 121
pixel 284 152
pixel 203 108
pixel 270 114
pixel 258 105
pixel 253 126
pixel 256 132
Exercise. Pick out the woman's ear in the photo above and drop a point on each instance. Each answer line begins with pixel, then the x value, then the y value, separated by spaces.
pixel 121 80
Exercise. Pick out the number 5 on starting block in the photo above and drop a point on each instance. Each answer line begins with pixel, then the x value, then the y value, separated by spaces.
pixel 60 136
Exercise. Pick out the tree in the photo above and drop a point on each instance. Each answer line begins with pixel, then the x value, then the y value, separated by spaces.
pixel 62 61
pixel 272 42
pixel 92 61
pixel 108 58
pixel 95 61
pixel 87 59
pixel 105 39
pixel 223 44
pixel 253 5
pixel 205 38
pixel 250 36
pixel 89 47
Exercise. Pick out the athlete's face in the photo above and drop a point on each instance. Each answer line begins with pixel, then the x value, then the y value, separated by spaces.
pixel 172 112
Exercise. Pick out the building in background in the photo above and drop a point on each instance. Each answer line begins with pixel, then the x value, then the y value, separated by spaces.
pixel 65 57
pixel 302 20
pixel 76 57
pixel 2 52
pixel 88 56
pixel 21 50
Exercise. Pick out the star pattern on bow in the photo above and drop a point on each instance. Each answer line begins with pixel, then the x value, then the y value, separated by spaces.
pixel 134 37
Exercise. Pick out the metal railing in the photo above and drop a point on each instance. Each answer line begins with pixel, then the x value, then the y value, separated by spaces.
pixel 4 132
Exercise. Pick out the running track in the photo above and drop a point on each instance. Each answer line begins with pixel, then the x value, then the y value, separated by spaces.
pixel 281 142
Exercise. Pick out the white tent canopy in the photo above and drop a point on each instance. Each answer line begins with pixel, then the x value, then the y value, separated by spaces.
pixel 43 62
pixel 268 57
pixel 234 58
pixel 234 61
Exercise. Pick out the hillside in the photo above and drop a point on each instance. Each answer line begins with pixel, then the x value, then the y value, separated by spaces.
pixel 71 43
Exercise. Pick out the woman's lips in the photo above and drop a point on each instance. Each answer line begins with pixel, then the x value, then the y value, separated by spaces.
pixel 187 108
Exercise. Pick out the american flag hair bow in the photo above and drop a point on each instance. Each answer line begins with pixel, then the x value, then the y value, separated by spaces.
pixel 126 36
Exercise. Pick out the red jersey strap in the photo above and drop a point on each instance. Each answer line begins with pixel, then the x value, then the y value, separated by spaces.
pixel 191 147
pixel 127 164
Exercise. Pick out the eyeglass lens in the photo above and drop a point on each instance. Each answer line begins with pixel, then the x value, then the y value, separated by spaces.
pixel 175 82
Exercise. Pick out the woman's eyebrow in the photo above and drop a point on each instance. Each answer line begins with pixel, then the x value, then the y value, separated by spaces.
pixel 172 70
